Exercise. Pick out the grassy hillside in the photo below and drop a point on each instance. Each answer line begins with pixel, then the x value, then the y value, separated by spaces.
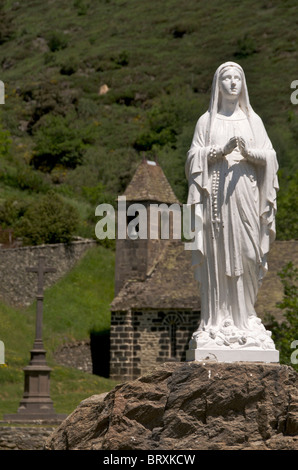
pixel 77 304
pixel 157 60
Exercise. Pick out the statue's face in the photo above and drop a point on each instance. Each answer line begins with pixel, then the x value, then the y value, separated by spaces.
pixel 230 83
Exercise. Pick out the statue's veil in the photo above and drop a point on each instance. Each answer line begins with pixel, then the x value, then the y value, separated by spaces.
pixel 215 96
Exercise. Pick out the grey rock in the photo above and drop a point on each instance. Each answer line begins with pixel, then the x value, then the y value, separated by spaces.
pixel 189 406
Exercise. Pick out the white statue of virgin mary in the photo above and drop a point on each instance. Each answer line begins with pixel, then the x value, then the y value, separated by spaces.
pixel 232 173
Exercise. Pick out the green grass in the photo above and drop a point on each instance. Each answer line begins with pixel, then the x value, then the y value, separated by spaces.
pixel 80 301
pixel 76 304
pixel 68 387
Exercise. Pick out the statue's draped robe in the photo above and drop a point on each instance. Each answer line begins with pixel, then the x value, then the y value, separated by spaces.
pixel 234 203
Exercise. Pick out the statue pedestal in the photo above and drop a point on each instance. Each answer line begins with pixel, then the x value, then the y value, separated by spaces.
pixel 233 355
pixel 227 343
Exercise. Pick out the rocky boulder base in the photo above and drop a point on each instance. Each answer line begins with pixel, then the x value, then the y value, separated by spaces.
pixel 189 406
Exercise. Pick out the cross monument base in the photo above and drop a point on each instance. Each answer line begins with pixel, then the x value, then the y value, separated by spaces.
pixel 36 404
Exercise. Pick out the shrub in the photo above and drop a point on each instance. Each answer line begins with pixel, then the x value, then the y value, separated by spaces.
pixel 147 140
pixel 121 60
pixel 179 30
pixel 7 31
pixel 69 67
pixel 97 194
pixel 5 142
pixel 287 201
pixel 57 42
pixel 87 108
pixel 31 180
pixel 165 123
pixel 81 6
pixel 48 220
pixel 245 47
pixel 58 142
pixel 11 211
pixel 49 58
pixel 19 175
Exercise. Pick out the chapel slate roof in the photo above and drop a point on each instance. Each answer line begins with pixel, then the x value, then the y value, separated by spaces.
pixel 149 183
pixel 171 285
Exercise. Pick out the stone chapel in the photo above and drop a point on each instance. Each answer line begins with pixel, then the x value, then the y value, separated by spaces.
pixel 156 307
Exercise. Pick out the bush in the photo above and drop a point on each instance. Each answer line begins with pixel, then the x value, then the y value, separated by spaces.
pixel 48 220
pixel 81 6
pixel 11 211
pixel 58 142
pixel 23 177
pixel 5 142
pixel 69 67
pixel 97 195
pixel 287 202
pixel 165 122
pixel 57 42
pixel 49 58
pixel 7 31
pixel 31 180
pixel 178 31
pixel 245 47
pixel 87 108
pixel 121 60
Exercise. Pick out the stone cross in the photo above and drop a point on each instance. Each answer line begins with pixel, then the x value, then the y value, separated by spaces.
pixel 36 404
pixel 40 269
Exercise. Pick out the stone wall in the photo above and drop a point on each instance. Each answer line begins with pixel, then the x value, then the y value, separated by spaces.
pixel 76 354
pixel 24 437
pixel 91 356
pixel 121 347
pixel 17 286
pixel 140 340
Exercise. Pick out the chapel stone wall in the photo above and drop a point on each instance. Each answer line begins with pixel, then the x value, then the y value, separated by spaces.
pixel 141 340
